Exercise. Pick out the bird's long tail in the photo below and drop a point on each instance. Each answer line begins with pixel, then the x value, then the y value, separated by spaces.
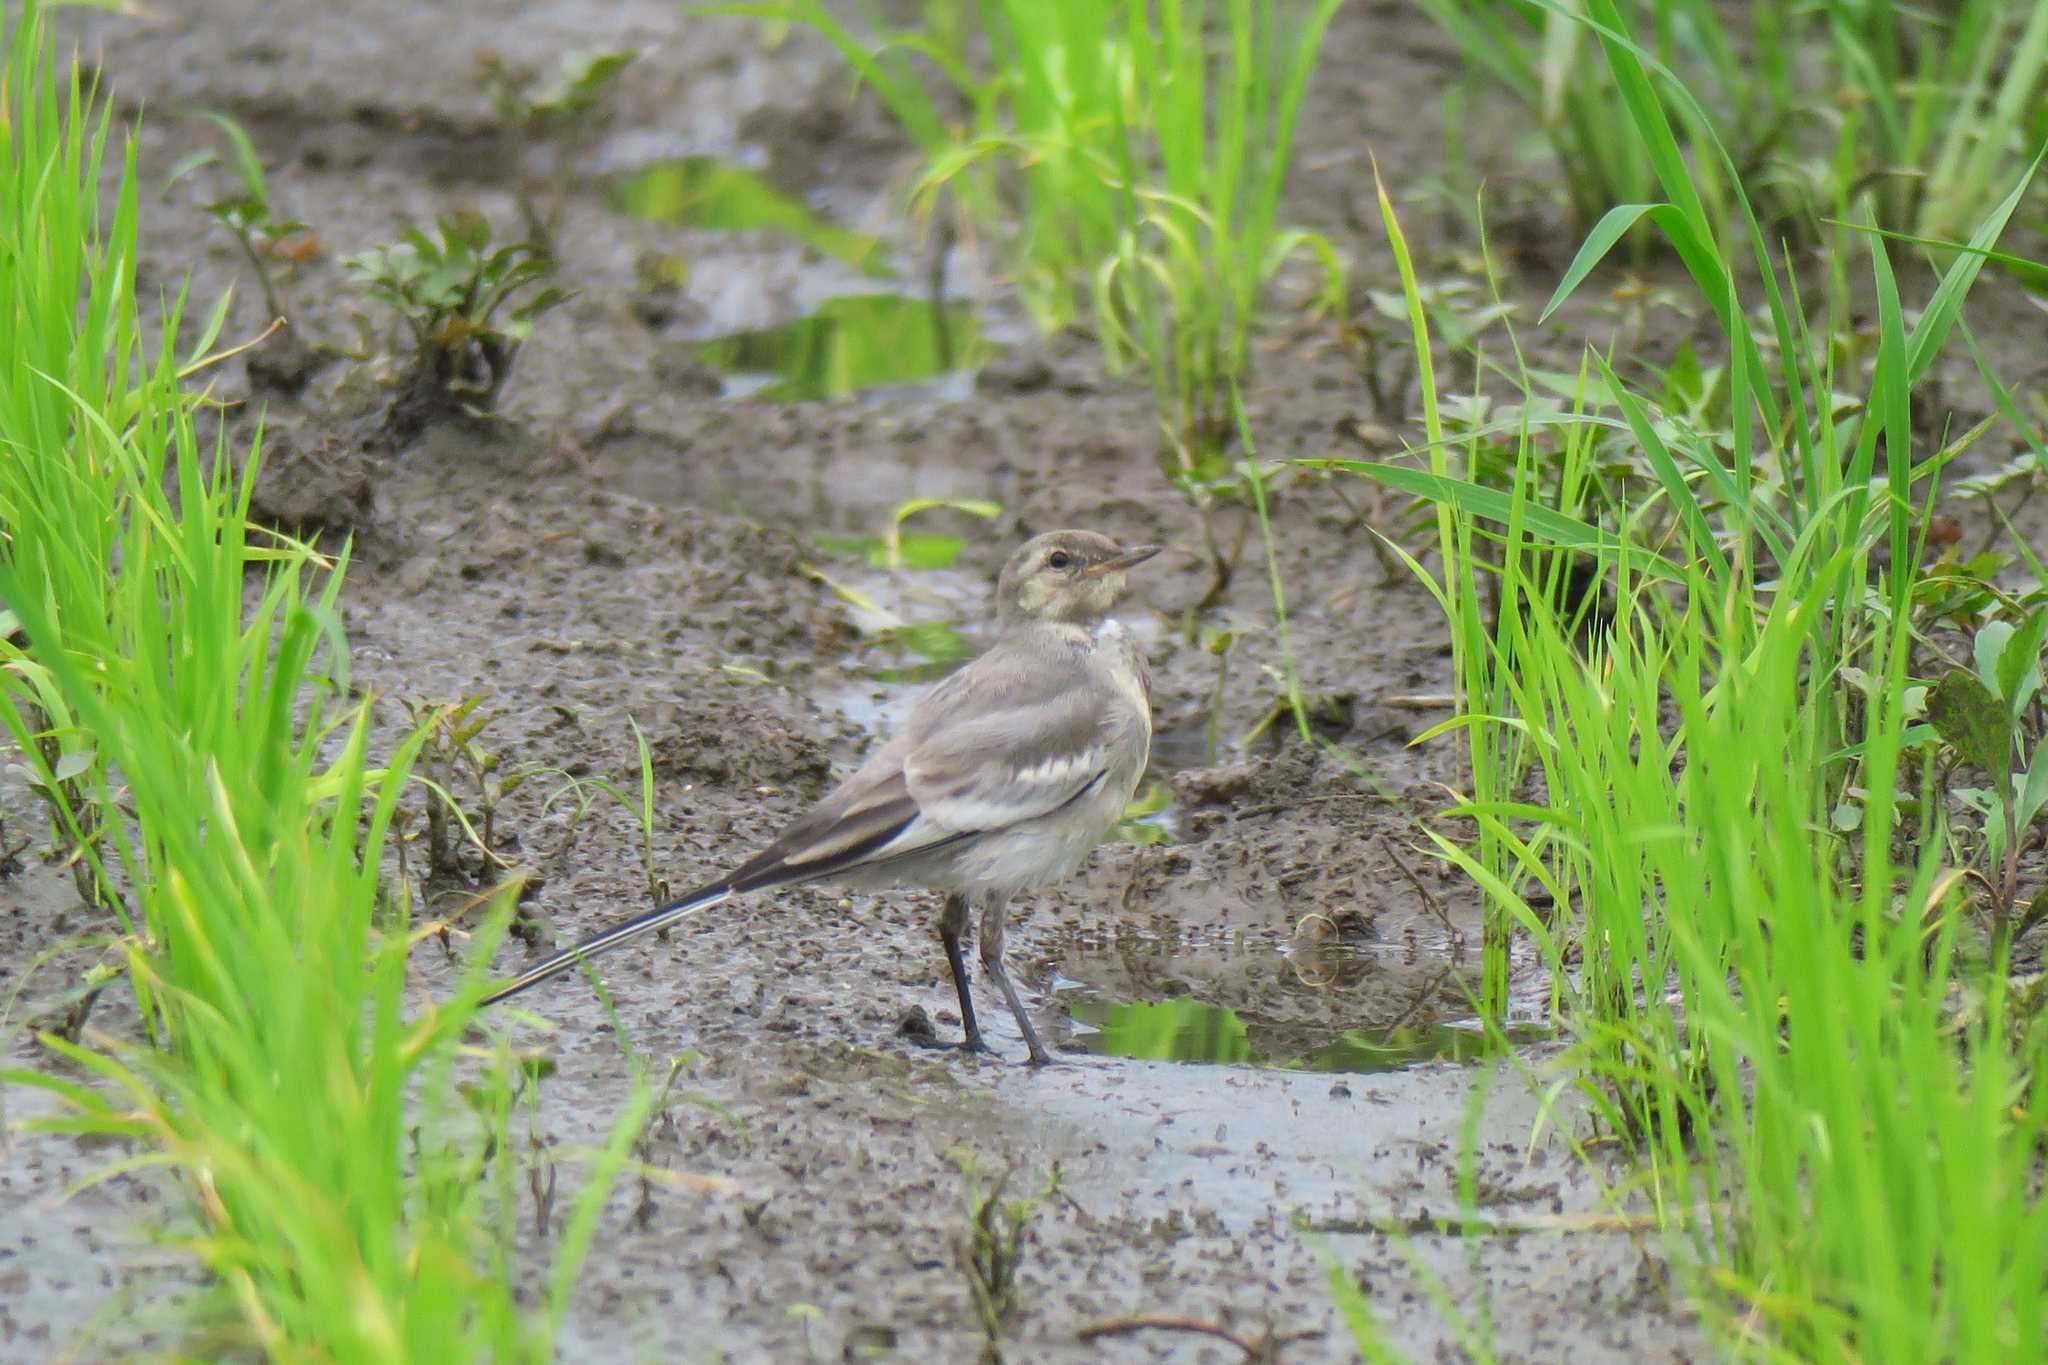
pixel 624 932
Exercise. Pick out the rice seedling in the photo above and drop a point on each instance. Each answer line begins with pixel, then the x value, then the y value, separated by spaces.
pixel 1734 866
pixel 246 801
pixel 1947 106
pixel 991 1247
pixel 941 92
pixel 965 82
pixel 1539 59
pixel 1543 55
pixel 1927 116
pixel 640 806
pixel 1130 159
pixel 1175 129
pixel 1200 172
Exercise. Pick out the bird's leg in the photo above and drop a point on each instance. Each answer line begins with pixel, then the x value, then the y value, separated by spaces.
pixel 952 924
pixel 992 918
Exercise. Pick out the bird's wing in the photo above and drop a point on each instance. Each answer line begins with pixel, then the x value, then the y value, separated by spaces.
pixel 1010 737
pixel 1020 741
pixel 870 811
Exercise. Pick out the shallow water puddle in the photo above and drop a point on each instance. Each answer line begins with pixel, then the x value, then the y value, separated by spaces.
pixel 854 342
pixel 1189 1030
pixel 704 192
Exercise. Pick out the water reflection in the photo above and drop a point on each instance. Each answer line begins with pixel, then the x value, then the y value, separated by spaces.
pixel 909 550
pixel 1189 1030
pixel 1168 1031
pixel 926 651
pixel 854 342
pixel 703 192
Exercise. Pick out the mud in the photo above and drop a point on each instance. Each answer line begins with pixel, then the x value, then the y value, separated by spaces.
pixel 621 542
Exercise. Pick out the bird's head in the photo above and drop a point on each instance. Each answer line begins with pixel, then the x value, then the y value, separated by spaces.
pixel 1070 576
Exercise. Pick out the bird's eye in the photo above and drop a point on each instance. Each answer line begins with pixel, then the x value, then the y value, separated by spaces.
pixel 1059 559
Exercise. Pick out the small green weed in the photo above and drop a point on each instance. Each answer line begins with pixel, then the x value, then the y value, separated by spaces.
pixel 561 113
pixel 246 210
pixel 454 761
pixel 991 1249
pixel 468 307
pixel 1983 716
pixel 899 547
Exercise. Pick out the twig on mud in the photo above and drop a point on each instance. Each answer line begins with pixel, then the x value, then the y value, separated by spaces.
pixel 1460 1225
pixel 1420 701
pixel 1429 899
pixel 1260 1348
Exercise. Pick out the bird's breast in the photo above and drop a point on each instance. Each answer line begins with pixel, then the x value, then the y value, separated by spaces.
pixel 1115 651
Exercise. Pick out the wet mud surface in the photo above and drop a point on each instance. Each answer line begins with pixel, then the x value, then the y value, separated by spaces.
pixel 624 542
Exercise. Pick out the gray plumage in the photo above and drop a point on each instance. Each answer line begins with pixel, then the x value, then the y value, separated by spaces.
pixel 1009 772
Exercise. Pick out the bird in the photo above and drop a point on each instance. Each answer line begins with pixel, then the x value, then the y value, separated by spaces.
pixel 1005 777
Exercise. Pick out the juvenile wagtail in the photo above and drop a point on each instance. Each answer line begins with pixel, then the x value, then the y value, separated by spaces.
pixel 1009 772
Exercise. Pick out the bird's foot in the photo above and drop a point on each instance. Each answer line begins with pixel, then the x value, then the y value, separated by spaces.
pixel 974 1043
pixel 970 1045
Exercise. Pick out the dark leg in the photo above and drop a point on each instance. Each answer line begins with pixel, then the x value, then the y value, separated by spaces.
pixel 952 924
pixel 992 959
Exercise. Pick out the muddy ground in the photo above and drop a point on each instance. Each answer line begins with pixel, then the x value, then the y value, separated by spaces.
pixel 622 541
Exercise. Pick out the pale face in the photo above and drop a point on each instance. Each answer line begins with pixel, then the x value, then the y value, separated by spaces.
pixel 1071 576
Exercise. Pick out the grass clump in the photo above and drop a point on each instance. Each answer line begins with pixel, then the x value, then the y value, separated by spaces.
pixel 1923 116
pixel 339 1191
pixel 1127 158
pixel 1718 814
pixel 1200 173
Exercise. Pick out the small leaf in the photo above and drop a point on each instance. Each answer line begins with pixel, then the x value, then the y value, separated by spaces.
pixel 1974 723
pixel 2019 663
pixel 248 166
pixel 921 550
pixel 1610 229
pixel 71 765
pixel 189 163
pixel 1988 648
pixel 978 507
pixel 1152 800
pixel 579 82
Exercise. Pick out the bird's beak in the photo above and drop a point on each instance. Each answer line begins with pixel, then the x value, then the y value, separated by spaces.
pixel 1123 561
